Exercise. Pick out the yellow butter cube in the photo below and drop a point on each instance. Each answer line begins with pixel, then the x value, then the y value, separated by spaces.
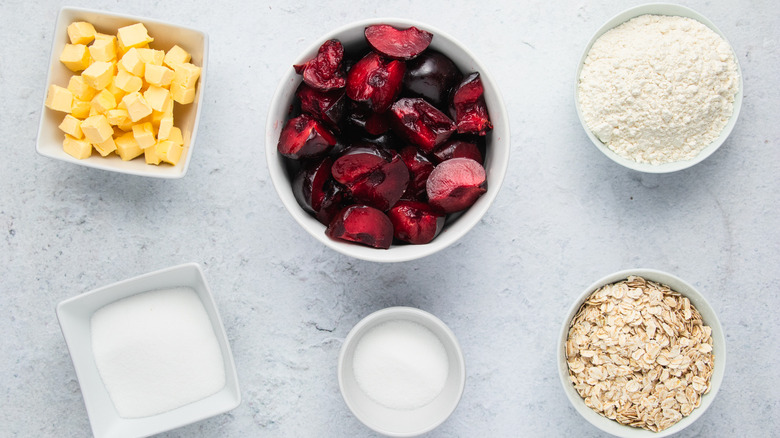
pixel 182 95
pixel 150 155
pixel 127 82
pixel 103 101
pixel 132 62
pixel 81 32
pixel 131 36
pixel 186 74
pixel 165 126
pixel 157 97
pixel 137 107
pixel 76 147
pixel 75 56
pixel 115 90
pixel 144 134
pixel 175 136
pixel 117 116
pixel 59 99
pixel 105 147
pixel 71 126
pixel 126 146
pixel 151 56
pixel 103 50
pixel 80 108
pixel 175 56
pixel 97 129
pixel 169 151
pixel 105 37
pixel 79 88
pixel 158 75
pixel 99 74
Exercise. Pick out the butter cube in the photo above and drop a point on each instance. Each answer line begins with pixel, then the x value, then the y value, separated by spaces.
pixel 165 126
pixel 137 107
pixel 186 74
pixel 181 94
pixel 79 88
pixel 151 56
pixel 126 147
pixel 157 97
pixel 115 90
pixel 132 62
pixel 80 108
pixel 117 116
pixel 175 56
pixel 105 37
pixel 97 129
pixel 103 50
pixel 103 102
pixel 175 136
pixel 99 74
pixel 127 82
pixel 158 75
pixel 169 151
pixel 76 147
pixel 71 126
pixel 59 99
pixel 150 155
pixel 105 147
pixel 75 56
pixel 131 36
pixel 144 134
pixel 81 32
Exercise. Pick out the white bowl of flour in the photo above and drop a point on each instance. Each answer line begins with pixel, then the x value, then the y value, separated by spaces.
pixel 658 88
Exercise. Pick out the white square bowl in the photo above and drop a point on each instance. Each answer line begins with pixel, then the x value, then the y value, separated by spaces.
pixel 74 315
pixel 186 117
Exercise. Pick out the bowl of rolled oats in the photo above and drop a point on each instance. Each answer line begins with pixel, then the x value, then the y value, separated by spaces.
pixel 641 354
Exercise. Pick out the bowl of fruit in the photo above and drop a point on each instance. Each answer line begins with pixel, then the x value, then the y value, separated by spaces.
pixel 387 140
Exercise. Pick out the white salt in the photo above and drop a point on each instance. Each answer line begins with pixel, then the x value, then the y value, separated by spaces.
pixel 156 351
pixel 400 365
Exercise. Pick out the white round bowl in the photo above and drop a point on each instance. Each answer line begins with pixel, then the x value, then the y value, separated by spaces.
pixel 657 9
pixel 718 351
pixel 457 225
pixel 395 422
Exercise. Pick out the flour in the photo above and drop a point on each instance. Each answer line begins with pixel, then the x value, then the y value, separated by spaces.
pixel 658 89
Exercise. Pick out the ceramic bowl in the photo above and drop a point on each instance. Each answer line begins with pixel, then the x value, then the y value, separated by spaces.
pixel 75 315
pixel 186 117
pixel 718 350
pixel 402 422
pixel 657 9
pixel 496 160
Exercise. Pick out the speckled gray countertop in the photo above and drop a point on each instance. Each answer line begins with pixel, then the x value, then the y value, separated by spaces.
pixel 565 217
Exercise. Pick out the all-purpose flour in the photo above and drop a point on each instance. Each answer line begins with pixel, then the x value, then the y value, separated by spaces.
pixel 658 89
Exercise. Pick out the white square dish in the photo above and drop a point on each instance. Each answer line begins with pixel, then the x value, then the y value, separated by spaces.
pixel 186 117
pixel 74 316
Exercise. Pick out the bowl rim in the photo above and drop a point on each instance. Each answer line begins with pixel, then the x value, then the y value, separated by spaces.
pixel 170 172
pixel 710 318
pixel 670 9
pixel 414 314
pixel 396 253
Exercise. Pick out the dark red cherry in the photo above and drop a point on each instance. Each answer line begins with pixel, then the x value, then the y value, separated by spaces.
pixel 398 43
pixel 362 224
pixel 375 81
pixel 432 75
pixel 304 137
pixel 455 184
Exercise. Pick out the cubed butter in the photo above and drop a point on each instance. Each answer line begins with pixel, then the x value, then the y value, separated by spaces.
pixel 132 62
pixel 151 56
pixel 81 32
pixel 103 50
pixel 169 151
pixel 97 129
pixel 127 82
pixel 117 116
pixel 165 126
pixel 137 107
pixel 115 90
pixel 75 56
pixel 99 74
pixel 150 155
pixel 186 74
pixel 182 95
pixel 78 86
pixel 126 146
pixel 80 108
pixel 105 147
pixel 103 101
pixel 175 136
pixel 131 36
pixel 71 126
pixel 77 147
pixel 158 75
pixel 157 97
pixel 175 56
pixel 144 134
pixel 59 99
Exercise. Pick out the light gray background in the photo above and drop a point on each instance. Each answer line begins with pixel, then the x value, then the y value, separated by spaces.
pixel 565 217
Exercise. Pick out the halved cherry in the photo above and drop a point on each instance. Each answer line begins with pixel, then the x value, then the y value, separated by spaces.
pixel 375 81
pixel 371 178
pixel 398 43
pixel 455 184
pixel 325 71
pixel 327 106
pixel 362 224
pixel 415 222
pixel 432 75
pixel 458 148
pixel 420 122
pixel 304 137
pixel 419 168
pixel 468 101
pixel 309 184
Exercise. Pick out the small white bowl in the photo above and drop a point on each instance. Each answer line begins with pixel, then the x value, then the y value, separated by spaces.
pixel 496 157
pixel 718 351
pixel 395 422
pixel 186 117
pixel 75 314
pixel 657 9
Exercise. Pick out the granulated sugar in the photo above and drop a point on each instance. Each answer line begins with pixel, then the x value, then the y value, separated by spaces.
pixel 658 89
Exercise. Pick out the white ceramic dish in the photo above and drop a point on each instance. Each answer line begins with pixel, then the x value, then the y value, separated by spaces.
pixel 657 9
pixel 496 160
pixel 74 315
pixel 186 117
pixel 393 422
pixel 718 349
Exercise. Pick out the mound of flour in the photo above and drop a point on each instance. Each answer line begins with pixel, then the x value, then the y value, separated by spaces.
pixel 658 89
